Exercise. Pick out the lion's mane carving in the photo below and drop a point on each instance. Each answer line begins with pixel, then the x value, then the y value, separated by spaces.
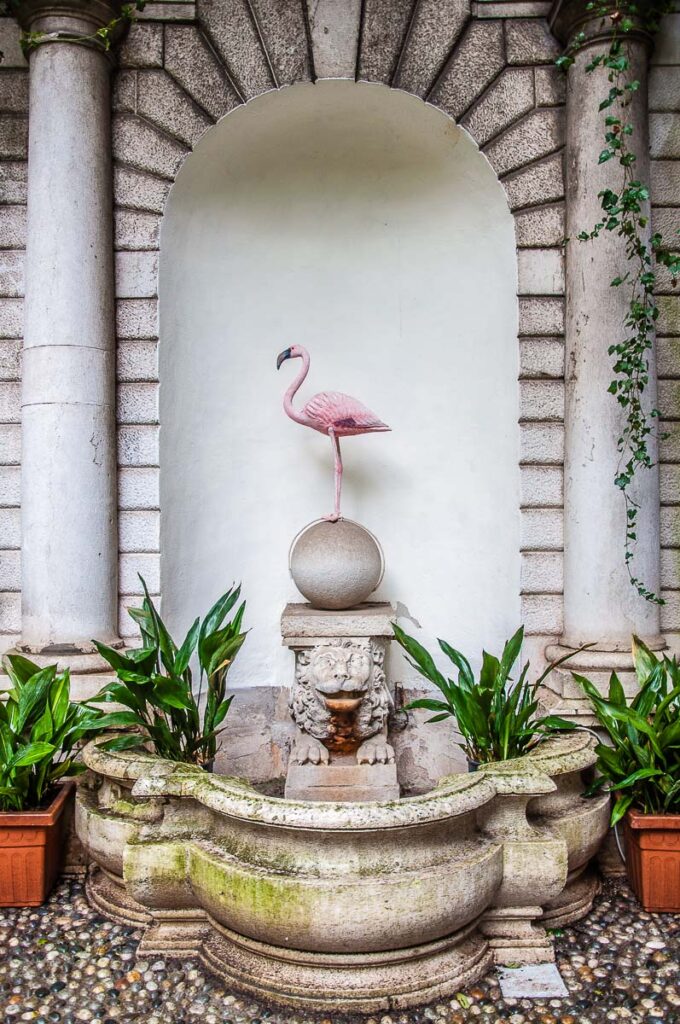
pixel 340 666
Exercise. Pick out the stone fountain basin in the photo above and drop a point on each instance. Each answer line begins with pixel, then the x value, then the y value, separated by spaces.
pixel 323 877
pixel 450 880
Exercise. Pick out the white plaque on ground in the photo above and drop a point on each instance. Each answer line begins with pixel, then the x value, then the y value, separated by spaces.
pixel 535 981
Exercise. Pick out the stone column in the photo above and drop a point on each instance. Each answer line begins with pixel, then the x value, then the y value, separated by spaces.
pixel 600 604
pixel 68 499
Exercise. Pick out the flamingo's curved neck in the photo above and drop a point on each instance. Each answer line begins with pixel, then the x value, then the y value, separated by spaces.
pixel 295 386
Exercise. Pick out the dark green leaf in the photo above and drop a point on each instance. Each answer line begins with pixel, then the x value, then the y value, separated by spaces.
pixel 620 807
pixel 31 753
pixel 460 661
pixel 33 696
pixel 187 649
pixel 120 720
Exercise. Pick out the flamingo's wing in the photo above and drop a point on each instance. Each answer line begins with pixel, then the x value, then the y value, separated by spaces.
pixel 343 413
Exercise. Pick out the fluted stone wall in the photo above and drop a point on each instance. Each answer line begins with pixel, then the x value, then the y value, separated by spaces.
pixel 489 65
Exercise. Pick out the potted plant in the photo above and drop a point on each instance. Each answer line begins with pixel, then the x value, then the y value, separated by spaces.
pixel 155 682
pixel 40 731
pixel 641 768
pixel 497 719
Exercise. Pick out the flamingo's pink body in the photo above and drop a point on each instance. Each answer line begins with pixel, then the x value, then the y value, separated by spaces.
pixel 344 415
pixel 331 413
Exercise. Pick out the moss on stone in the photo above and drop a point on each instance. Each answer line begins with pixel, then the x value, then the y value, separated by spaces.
pixel 163 862
pixel 277 899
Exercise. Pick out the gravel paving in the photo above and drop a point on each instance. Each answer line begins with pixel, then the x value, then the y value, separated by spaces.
pixel 66 964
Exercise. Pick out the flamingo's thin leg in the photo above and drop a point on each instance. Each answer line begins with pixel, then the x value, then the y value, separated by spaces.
pixel 338 476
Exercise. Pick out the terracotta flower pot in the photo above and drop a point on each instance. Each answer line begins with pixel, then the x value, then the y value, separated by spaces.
pixel 31 848
pixel 653 859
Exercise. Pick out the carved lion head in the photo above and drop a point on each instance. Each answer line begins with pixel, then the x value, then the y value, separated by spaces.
pixel 345 668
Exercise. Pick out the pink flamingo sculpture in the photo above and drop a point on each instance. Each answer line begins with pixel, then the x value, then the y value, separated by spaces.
pixel 329 412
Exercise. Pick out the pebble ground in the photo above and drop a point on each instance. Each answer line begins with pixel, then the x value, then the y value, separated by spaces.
pixel 64 963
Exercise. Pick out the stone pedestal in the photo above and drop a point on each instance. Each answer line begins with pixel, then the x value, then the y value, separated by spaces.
pixel 340 703
pixel 342 781
pixel 303 626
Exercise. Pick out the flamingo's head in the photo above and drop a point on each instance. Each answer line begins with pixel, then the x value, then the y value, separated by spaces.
pixel 294 352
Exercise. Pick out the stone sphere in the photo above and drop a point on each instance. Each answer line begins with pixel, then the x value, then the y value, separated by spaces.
pixel 336 565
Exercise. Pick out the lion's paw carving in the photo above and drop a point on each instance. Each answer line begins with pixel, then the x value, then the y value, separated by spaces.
pixel 375 751
pixel 308 750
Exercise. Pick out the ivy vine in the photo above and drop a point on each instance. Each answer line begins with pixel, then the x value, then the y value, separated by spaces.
pixel 624 212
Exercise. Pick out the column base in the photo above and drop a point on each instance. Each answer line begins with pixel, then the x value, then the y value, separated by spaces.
pixel 515 936
pixel 89 671
pixel 596 664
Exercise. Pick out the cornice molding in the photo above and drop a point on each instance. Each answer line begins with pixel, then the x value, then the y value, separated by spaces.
pixel 69 21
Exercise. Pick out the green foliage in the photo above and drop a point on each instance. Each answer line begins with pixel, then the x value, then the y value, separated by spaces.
pixel 154 682
pixel 496 719
pixel 40 730
pixel 624 209
pixel 108 33
pixel 642 764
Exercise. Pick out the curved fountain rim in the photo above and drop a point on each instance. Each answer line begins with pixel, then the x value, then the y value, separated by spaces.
pixel 153 776
pixel 555 755
pixel 573 751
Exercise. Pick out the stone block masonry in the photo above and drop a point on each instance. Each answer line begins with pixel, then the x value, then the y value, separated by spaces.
pixel 184 66
pixel 13 152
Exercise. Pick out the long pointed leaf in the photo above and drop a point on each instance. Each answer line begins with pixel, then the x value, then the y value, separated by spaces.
pixel 34 695
pixel 460 661
pixel 422 659
pixel 217 614
pixel 620 807
pixel 187 649
pixel 166 644
pixel 643 659
pixel 30 754
pixel 511 652
pixel 20 669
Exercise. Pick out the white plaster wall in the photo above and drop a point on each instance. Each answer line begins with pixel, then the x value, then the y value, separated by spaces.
pixel 364 225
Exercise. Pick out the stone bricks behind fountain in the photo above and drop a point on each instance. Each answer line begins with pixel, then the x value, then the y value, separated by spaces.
pixel 259 736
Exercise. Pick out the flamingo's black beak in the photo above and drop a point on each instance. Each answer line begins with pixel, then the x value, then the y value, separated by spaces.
pixel 281 358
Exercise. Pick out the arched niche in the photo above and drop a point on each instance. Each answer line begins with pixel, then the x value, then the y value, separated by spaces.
pixel 365 225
